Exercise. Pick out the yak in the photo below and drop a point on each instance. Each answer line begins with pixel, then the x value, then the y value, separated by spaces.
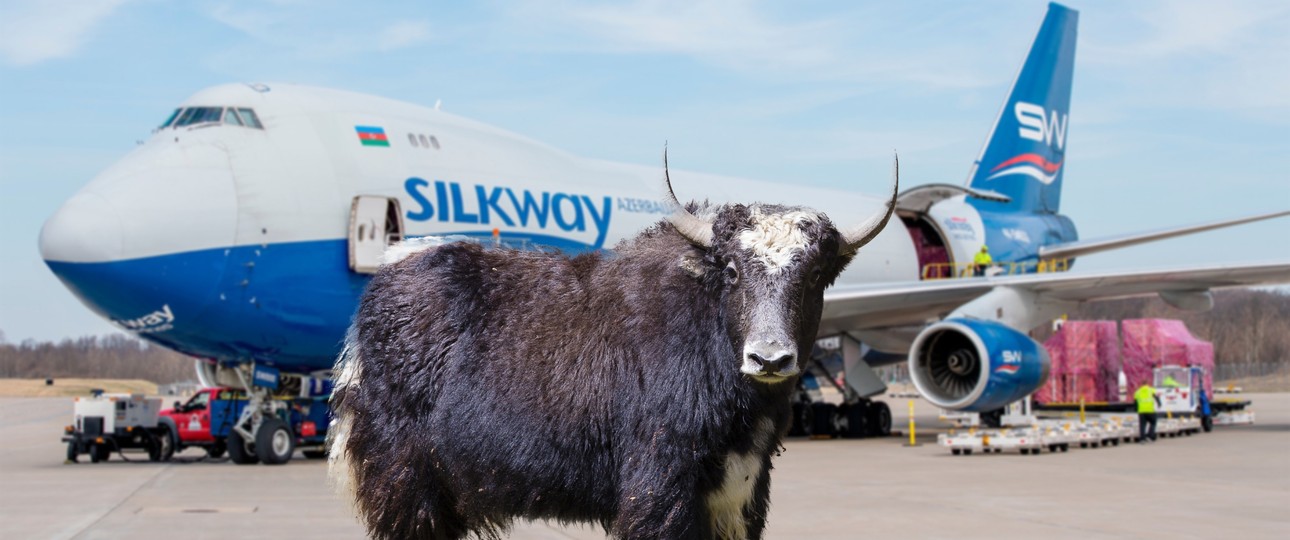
pixel 645 390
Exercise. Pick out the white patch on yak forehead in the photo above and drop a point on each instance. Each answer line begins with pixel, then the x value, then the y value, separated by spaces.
pixel 775 238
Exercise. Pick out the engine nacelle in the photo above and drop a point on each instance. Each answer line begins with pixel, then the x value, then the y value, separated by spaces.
pixel 974 365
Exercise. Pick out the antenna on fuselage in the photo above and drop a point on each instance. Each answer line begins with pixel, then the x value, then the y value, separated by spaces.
pixel 437 103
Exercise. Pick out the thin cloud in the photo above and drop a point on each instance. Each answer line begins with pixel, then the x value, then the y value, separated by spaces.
pixel 1226 55
pixel 35 32
pixel 321 34
pixel 404 34
pixel 747 37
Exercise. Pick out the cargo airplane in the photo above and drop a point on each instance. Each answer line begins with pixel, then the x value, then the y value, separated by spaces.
pixel 243 231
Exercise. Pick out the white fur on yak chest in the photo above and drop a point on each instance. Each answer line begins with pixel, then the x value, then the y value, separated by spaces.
pixel 726 504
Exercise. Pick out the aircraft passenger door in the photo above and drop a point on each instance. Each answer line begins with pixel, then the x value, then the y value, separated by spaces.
pixel 375 222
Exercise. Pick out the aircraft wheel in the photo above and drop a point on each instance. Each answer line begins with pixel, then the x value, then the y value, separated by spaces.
pixel 956 451
pixel 1025 451
pixel 274 442
pixel 857 420
pixel 822 419
pixel 1207 423
pixel 238 451
pixel 879 423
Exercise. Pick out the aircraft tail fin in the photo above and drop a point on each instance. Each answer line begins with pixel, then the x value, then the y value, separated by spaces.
pixel 1024 156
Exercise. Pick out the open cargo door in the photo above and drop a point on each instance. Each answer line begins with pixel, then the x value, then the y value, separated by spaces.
pixel 375 222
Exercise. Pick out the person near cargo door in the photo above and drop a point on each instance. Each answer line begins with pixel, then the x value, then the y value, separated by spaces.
pixel 1147 400
pixel 981 261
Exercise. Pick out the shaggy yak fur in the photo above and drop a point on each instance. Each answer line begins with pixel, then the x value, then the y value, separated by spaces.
pixel 483 385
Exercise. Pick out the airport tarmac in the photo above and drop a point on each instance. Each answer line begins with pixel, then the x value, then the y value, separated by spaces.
pixel 1233 483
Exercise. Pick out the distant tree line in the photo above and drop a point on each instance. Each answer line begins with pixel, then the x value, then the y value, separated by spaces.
pixel 1246 327
pixel 105 357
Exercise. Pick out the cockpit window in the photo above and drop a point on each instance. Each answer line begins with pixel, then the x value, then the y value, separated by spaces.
pixel 170 119
pixel 192 116
pixel 198 115
pixel 249 118
pixel 230 117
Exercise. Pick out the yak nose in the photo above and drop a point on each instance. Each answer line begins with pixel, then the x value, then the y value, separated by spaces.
pixel 769 358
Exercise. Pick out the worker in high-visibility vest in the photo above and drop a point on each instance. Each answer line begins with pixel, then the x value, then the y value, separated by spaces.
pixel 1147 400
pixel 981 261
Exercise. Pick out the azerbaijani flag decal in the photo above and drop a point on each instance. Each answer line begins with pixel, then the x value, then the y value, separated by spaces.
pixel 372 136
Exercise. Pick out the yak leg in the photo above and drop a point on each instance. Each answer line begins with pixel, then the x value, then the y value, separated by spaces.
pixel 755 512
pixel 657 503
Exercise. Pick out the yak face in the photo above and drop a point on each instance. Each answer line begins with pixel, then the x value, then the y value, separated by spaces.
pixel 774 264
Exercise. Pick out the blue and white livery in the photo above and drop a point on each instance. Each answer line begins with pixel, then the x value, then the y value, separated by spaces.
pixel 243 231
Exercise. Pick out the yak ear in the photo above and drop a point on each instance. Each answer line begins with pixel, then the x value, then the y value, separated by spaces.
pixel 697 231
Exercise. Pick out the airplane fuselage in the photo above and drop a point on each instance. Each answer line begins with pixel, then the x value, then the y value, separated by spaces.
pixel 229 242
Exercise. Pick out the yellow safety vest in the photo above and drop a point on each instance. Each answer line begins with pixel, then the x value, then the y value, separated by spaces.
pixel 1146 398
pixel 982 258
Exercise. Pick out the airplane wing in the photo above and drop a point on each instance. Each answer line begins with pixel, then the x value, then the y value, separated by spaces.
pixel 889 305
pixel 1085 247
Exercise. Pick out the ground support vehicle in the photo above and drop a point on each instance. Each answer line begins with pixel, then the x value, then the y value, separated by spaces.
pixel 1178 426
pixel 1122 427
pixel 1026 440
pixel 962 442
pixel 1058 437
pixel 1233 418
pixel 1092 435
pixel 1029 434
pixel 210 418
pixel 1230 412
pixel 113 423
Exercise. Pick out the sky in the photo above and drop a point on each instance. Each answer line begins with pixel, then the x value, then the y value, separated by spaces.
pixel 1180 111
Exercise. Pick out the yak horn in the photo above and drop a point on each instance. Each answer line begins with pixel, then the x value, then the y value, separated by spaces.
pixel 853 239
pixel 697 231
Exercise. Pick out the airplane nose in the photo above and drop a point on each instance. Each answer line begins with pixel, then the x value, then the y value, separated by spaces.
pixel 85 229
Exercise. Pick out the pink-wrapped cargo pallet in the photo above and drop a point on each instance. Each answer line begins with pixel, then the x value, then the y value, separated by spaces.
pixel 1150 343
pixel 1087 357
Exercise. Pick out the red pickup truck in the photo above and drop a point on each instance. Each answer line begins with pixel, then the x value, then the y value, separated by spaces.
pixel 207 420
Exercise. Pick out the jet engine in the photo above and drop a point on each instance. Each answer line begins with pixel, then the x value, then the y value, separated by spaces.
pixel 974 365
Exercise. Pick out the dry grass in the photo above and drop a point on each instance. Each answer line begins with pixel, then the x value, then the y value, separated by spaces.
pixel 74 387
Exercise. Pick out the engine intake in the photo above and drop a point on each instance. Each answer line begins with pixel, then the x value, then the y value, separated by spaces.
pixel 973 365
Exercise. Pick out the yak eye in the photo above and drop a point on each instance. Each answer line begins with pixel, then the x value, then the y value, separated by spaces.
pixel 730 274
pixel 816 273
